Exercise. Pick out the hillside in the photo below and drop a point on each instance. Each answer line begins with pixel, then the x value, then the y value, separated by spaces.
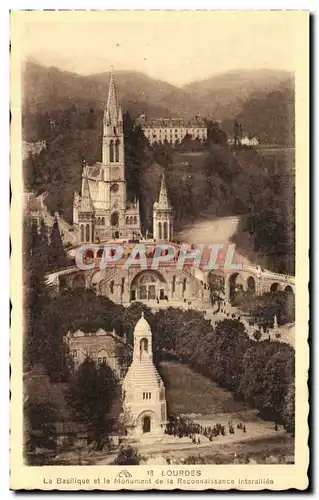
pixel 51 88
pixel 224 95
pixel 270 116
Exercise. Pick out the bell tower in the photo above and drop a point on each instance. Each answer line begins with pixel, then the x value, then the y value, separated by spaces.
pixel 113 159
pixel 163 215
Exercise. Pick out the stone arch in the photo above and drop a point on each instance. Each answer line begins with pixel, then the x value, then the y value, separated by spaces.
pixel 153 421
pixel 115 219
pixel 160 230
pixel 148 285
pixel 234 286
pixel 289 289
pixel 89 254
pixel 275 287
pixel 251 285
pixel 111 148
pixel 99 253
pixel 117 150
pixel 87 233
pixel 165 231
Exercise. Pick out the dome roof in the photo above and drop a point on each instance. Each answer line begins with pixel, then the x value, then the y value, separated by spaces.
pixel 142 326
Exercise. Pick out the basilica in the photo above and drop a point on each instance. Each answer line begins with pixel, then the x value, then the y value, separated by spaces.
pixel 102 212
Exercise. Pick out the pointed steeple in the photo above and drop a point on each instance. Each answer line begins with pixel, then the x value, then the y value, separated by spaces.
pixel 112 106
pixel 163 200
pixel 86 200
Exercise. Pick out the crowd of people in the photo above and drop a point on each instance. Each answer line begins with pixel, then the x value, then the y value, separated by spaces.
pixel 185 427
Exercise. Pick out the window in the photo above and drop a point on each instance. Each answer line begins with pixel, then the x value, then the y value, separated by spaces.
pixel 117 151
pixel 74 353
pixel 111 152
pixel 87 233
pixel 147 395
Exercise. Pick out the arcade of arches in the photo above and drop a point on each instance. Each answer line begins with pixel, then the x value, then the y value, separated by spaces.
pixel 148 286
pixel 170 284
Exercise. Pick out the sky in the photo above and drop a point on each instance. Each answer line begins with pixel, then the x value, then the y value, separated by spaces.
pixel 178 47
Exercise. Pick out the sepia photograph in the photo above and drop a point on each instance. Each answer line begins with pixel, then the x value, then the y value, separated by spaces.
pixel 160 184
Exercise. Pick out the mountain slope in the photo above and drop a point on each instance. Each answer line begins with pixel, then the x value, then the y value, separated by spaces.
pixel 51 88
pixel 225 94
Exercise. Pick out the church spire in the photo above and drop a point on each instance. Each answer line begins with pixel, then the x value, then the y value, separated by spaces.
pixel 163 200
pixel 112 106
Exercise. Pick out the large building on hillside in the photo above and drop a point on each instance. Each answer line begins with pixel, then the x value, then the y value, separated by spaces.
pixel 144 403
pixel 102 211
pixel 101 346
pixel 172 130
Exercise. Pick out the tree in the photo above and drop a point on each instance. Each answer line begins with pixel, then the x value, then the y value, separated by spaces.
pixel 288 411
pixel 57 255
pixel 92 392
pixel 39 422
pixel 214 133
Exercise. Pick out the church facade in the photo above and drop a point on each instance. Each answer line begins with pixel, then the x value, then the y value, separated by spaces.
pixel 102 212
pixel 144 403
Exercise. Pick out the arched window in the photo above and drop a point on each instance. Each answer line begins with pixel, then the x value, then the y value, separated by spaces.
pixel 87 233
pixel 117 150
pixel 165 231
pixel 112 287
pixel 160 230
pixel 82 232
pixel 131 220
pixel 127 220
pixel 103 221
pixel 115 219
pixel 135 220
pixel 143 345
pixel 174 284
pixel 111 151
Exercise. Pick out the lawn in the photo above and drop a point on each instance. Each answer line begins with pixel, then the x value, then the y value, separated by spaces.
pixel 189 392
